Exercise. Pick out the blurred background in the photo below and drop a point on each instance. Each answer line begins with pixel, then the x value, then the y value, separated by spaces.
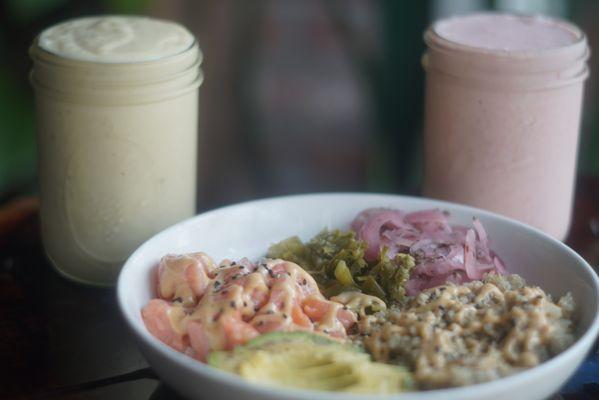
pixel 298 96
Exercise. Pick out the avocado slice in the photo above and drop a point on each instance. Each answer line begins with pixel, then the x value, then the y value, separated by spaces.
pixel 273 338
pixel 310 361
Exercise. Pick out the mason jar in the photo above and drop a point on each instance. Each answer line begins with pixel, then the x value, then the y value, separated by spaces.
pixel 502 115
pixel 117 113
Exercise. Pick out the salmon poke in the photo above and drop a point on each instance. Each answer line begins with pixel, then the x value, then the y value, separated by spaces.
pixel 399 302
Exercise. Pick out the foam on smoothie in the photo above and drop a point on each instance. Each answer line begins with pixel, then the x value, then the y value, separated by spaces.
pixel 503 32
pixel 116 39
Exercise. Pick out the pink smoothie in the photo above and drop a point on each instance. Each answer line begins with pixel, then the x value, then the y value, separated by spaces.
pixel 506 32
pixel 503 101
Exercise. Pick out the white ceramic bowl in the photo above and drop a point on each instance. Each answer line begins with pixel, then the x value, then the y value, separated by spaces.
pixel 248 229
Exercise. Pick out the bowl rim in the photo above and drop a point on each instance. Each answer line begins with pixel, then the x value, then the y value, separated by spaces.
pixel 586 338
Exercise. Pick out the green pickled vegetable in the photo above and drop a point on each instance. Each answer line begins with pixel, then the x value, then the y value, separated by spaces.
pixel 343 274
pixel 336 261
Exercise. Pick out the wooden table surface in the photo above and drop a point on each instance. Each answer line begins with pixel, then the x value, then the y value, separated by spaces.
pixel 63 340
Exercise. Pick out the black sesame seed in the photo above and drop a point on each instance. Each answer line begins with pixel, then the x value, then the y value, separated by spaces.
pixel 217 315
pixel 245 303
pixel 233 263
pixel 232 304
pixel 270 312
pixel 304 282
pixel 285 316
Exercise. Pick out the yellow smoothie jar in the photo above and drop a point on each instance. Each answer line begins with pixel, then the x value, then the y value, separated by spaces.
pixel 117 112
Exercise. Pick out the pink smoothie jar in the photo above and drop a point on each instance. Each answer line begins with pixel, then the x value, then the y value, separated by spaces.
pixel 502 115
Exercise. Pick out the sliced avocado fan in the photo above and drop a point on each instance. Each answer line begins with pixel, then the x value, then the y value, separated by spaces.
pixel 310 361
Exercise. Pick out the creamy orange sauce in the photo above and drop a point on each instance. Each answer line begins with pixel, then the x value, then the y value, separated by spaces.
pixel 456 335
pixel 183 278
pixel 361 303
pixel 227 305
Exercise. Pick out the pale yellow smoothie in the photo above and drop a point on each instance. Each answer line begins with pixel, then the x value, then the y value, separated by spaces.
pixel 117 110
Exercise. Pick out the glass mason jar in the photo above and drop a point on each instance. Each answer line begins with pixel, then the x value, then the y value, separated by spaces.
pixel 502 115
pixel 117 138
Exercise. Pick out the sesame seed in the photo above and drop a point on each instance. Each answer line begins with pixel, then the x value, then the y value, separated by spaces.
pixel 217 315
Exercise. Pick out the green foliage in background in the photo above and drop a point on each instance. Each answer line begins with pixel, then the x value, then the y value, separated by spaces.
pixel 399 98
pixel 17 133
pixel 125 6
pixel 28 10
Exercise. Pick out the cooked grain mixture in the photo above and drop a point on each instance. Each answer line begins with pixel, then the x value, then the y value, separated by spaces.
pixel 455 335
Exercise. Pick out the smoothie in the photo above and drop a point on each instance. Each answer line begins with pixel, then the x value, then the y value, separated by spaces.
pixel 503 103
pixel 117 101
